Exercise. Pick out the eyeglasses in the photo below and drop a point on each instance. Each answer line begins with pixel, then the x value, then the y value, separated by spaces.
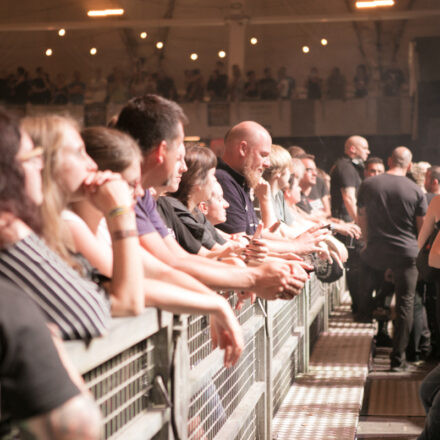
pixel 35 153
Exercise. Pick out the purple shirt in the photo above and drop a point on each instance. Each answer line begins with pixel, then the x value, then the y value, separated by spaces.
pixel 240 216
pixel 147 218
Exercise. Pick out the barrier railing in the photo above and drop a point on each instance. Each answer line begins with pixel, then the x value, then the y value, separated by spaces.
pixel 156 376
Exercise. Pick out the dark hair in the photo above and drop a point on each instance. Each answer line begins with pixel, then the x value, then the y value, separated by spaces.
pixel 13 197
pixel 199 160
pixel 295 151
pixel 306 156
pixel 434 172
pixel 150 119
pixel 373 159
pixel 111 149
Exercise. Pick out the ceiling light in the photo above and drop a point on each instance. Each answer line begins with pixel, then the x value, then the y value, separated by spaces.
pixel 373 3
pixel 143 35
pixel 105 12
pixel 93 51
pixel 62 32
pixel 191 138
pixel 253 41
pixel 194 56
pixel 306 49
pixel 324 42
pixel 48 52
pixel 159 45
pixel 222 54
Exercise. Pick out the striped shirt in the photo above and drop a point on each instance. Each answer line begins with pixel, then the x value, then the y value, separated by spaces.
pixel 75 304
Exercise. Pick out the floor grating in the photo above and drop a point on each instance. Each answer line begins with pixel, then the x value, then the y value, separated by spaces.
pixel 325 402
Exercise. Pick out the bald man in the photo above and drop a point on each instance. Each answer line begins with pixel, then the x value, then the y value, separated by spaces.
pixel 390 212
pixel 346 177
pixel 246 155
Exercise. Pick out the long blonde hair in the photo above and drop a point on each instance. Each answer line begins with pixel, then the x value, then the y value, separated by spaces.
pixel 49 133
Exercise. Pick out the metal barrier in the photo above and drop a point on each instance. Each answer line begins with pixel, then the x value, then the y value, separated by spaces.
pixel 156 368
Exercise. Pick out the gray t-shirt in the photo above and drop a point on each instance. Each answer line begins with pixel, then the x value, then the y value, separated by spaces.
pixel 282 211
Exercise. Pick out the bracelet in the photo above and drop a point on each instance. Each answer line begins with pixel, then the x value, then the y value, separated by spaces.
pixel 119 210
pixel 125 233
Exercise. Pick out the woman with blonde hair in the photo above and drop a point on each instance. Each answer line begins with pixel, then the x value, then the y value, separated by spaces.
pixel 78 307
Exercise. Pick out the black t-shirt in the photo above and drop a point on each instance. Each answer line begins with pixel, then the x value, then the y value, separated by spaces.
pixel 190 221
pixel 176 227
pixel 392 204
pixel 33 380
pixel 344 174
pixel 240 215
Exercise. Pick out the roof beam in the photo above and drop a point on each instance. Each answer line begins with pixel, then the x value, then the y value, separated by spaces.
pixel 189 22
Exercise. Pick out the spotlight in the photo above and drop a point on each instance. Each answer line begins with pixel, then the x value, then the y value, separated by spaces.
pixel 49 52
pixel 306 49
pixel 253 41
pixel 143 35
pixel 324 42
pixel 221 54
pixel 159 45
pixel 93 51
pixel 105 12
pixel 194 56
pixel 62 32
pixel 374 3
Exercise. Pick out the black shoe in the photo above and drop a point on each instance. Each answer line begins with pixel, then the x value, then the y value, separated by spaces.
pixel 383 340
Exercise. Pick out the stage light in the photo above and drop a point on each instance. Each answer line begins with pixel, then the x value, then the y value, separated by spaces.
pixel 159 45
pixel 62 32
pixel 221 54
pixel 49 52
pixel 306 49
pixel 253 41
pixel 324 41
pixel 374 3
pixel 194 56
pixel 93 51
pixel 143 35
pixel 105 12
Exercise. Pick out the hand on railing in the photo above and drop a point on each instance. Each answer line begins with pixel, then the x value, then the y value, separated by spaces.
pixel 226 332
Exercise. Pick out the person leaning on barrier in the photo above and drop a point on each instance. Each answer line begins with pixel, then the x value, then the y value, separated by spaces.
pixel 70 174
pixel 246 156
pixel 116 151
pixel 157 125
pixel 196 186
pixel 75 304
pixel 38 395
pixel 432 182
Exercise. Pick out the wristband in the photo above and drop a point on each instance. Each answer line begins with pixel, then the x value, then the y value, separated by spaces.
pixel 125 233
pixel 119 210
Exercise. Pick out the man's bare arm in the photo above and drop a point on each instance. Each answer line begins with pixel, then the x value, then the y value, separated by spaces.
pixel 349 198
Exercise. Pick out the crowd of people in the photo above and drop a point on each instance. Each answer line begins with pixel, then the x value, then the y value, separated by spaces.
pixel 39 88
pixel 93 221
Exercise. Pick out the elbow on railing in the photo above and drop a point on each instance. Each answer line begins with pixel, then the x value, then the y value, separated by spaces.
pixel 127 306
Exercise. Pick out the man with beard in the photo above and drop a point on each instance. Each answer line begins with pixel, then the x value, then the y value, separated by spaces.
pixel 246 156
pixel 157 124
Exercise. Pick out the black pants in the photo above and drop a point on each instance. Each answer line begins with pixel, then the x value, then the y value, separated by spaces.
pixel 405 281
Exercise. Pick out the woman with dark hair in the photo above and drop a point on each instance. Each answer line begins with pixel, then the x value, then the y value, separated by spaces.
pixel 196 186
pixel 78 306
